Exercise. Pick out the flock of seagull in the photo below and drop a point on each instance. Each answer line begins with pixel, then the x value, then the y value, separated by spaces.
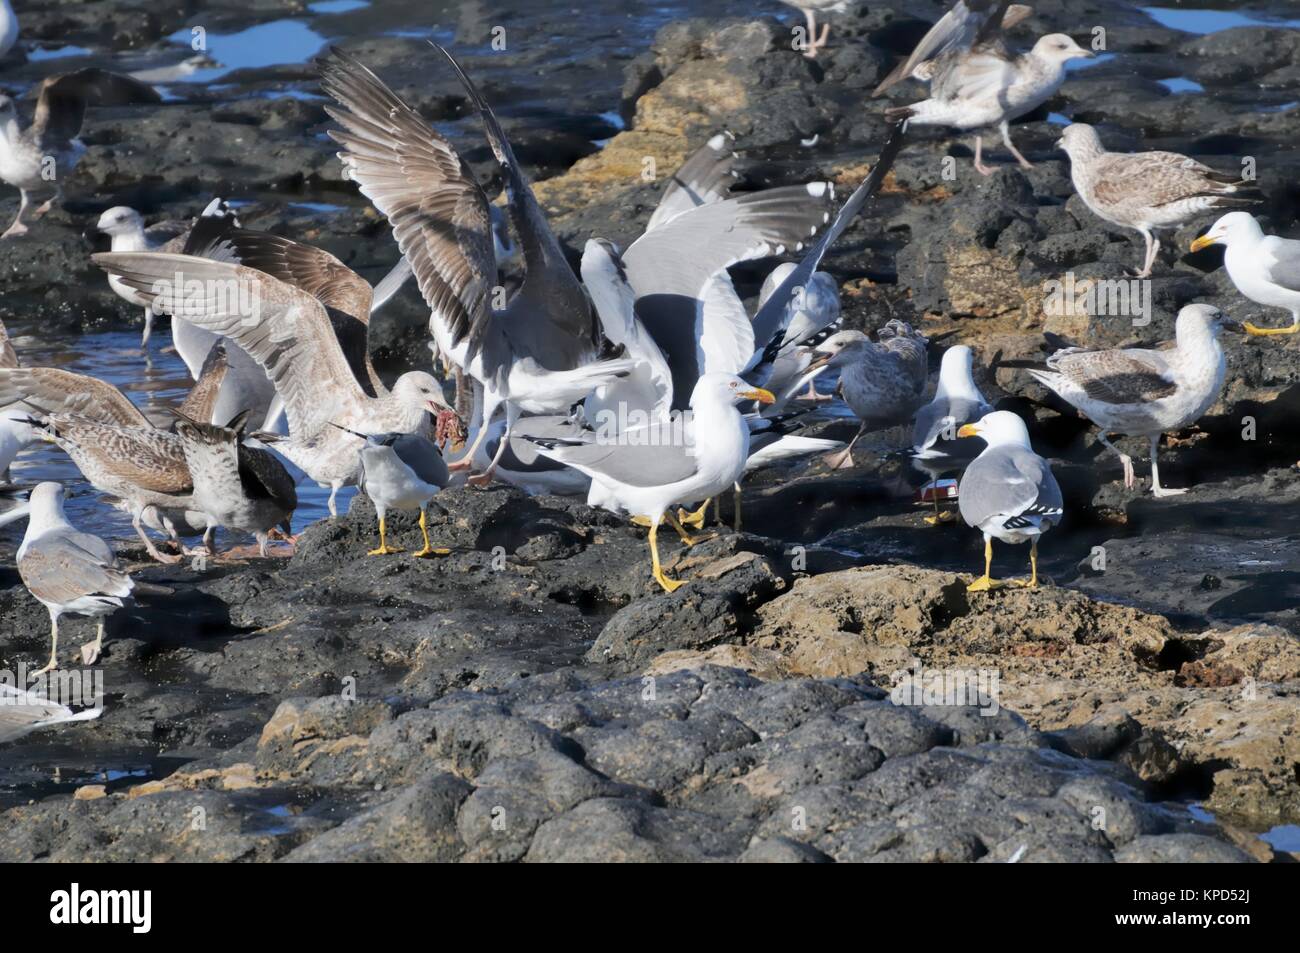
pixel 642 381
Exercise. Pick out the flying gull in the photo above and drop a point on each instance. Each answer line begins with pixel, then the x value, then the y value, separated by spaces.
pixel 1145 392
pixel 23 711
pixel 883 382
pixel 1008 492
pixel 544 350
pixel 647 479
pixel 69 571
pixel 239 487
pixel 26 154
pixel 402 471
pixel 1265 268
pixel 295 342
pixel 1145 191
pixel 975 82
pixel 936 449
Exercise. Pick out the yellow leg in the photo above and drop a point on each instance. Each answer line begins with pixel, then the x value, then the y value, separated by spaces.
pixel 384 549
pixel 641 521
pixel 54 650
pixel 695 519
pixel 656 570
pixel 1264 332
pixel 985 582
pixel 428 547
pixel 736 525
pixel 687 538
pixel 1032 582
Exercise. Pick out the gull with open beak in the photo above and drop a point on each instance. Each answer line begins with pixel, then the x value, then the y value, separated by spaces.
pixel 1008 492
pixel 688 461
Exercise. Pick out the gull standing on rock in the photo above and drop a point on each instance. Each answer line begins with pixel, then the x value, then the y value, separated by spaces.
pixel 936 449
pixel 647 479
pixel 1265 268
pixel 975 82
pixel 810 8
pixel 39 159
pixel 238 487
pixel 1145 392
pixel 1008 492
pixel 1145 191
pixel 69 571
pixel 882 382
pixel 402 471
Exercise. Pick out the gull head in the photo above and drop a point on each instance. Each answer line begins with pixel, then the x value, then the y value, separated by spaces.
pixel 841 349
pixel 998 429
pixel 1204 319
pixel 728 390
pixel 120 220
pixel 1057 48
pixel 1077 138
pixel 421 389
pixel 1238 227
pixel 955 371
pixel 46 498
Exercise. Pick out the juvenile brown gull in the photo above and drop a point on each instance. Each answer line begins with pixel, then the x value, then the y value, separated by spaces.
pixel 882 382
pixel 26 154
pixel 239 487
pixel 968 24
pixel 69 571
pixel 1265 268
pixel 975 82
pixel 1008 492
pixel 1145 191
pixel 1145 392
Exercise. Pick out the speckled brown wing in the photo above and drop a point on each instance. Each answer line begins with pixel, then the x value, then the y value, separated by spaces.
pixel 1152 179
pixel 56 391
pixel 1115 377
pixel 202 398
pixel 57 568
pixel 438 212
pixel 150 459
pixel 8 356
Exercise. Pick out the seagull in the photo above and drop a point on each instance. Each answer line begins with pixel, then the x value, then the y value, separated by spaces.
pixel 813 42
pixel 16 434
pixel 975 81
pixel 1145 392
pixel 126 230
pixel 23 711
pixel 1146 190
pixel 814 309
pixel 882 382
pixel 1265 268
pixel 69 571
pixel 700 462
pixel 8 27
pixel 936 450
pixel 1008 492
pixel 141 466
pixel 401 471
pixel 48 150
pixel 288 331
pixel 544 350
pixel 239 487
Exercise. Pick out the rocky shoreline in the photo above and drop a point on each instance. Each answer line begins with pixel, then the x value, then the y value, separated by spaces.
pixel 534 696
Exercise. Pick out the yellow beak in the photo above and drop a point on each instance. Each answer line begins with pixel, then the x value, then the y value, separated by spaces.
pixel 968 430
pixel 760 395
pixel 1205 241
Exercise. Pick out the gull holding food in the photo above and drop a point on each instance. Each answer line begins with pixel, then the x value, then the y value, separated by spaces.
pixel 71 572
pixel 1008 493
pixel 1265 268
pixel 1145 392
pixel 48 150
pixel 1146 191
pixel 975 81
